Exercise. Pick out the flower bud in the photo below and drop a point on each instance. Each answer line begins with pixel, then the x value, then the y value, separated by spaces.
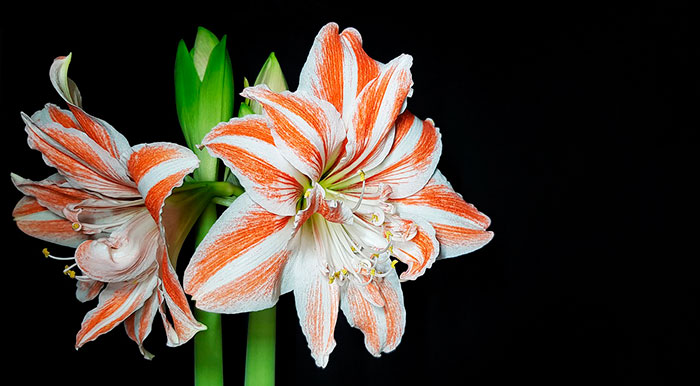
pixel 203 93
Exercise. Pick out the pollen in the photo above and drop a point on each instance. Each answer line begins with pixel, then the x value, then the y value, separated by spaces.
pixel 375 218
pixel 388 234
pixel 307 193
pixel 344 271
pixel 393 263
pixel 331 279
pixel 69 272
pixel 76 226
pixel 362 175
pixel 372 272
pixel 46 253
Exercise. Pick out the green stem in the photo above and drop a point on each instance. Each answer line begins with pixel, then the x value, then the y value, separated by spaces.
pixel 260 357
pixel 208 358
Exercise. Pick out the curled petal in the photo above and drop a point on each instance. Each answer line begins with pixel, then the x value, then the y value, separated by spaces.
pixel 158 168
pixel 98 130
pixel 37 221
pixel 139 324
pixel 87 289
pixel 459 226
pixel 116 303
pixel 419 252
pixel 77 157
pixel 382 326
pixel 184 324
pixel 125 255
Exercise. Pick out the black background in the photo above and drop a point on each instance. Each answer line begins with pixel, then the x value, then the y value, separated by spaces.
pixel 572 126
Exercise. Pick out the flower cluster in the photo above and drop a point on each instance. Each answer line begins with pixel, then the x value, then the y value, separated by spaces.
pixel 341 184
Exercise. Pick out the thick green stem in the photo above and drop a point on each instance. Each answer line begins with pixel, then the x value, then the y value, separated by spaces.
pixel 208 358
pixel 260 357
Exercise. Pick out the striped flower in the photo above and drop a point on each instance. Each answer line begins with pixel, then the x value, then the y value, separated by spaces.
pixel 107 200
pixel 339 179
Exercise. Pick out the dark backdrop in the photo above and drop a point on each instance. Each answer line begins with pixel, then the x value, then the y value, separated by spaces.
pixel 572 126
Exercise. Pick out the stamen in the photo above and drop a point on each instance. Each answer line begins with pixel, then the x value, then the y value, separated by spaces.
pixel 76 226
pixel 362 194
pixel 393 263
pixel 372 272
pixel 69 272
pixel 47 255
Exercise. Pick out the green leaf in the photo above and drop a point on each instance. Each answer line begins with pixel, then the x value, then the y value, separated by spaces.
pixel 187 86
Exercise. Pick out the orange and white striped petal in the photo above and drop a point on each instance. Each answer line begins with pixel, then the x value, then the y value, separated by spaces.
pixel 158 168
pixel 139 324
pixel 459 226
pixel 247 147
pixel 184 325
pixel 420 252
pixel 317 300
pixel 37 221
pixel 337 67
pixel 78 158
pixel 116 303
pixel 87 289
pixel 238 265
pixel 382 326
pixel 125 255
pixel 372 118
pixel 306 130
pixel 53 193
pixel 98 130
pixel 412 159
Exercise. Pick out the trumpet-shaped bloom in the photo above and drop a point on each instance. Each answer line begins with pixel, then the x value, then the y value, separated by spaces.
pixel 107 200
pixel 339 179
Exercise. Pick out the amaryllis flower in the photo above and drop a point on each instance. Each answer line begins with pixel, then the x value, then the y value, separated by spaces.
pixel 339 179
pixel 107 200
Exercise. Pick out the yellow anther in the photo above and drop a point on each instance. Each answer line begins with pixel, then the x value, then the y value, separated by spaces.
pixel 75 226
pixel 344 271
pixel 372 272
pixel 307 194
pixel 46 253
pixel 362 175
pixel 337 274
pixel 391 249
pixel 393 263
pixel 375 218
pixel 69 272
pixel 353 249
pixel 388 234
pixel 331 279
pixel 374 255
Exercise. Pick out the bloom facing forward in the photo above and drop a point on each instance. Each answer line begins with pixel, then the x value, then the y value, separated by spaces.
pixel 339 178
pixel 107 200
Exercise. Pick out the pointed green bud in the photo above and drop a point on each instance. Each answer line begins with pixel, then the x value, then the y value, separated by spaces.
pixel 203 93
pixel 272 76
